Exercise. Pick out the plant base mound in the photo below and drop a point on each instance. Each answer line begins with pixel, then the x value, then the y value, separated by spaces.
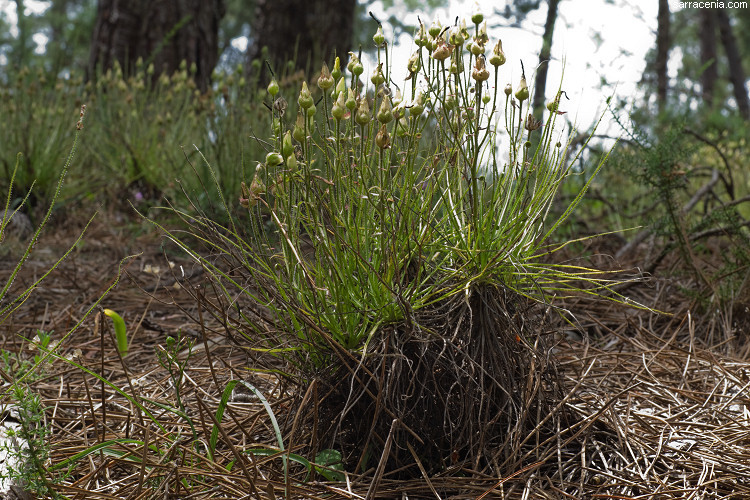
pixel 469 383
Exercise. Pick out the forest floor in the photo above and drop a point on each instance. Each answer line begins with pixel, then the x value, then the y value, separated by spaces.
pixel 661 400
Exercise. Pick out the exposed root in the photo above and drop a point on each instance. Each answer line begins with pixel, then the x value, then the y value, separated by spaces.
pixel 468 384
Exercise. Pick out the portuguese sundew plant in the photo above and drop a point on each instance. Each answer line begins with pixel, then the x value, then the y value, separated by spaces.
pixel 395 195
pixel 392 257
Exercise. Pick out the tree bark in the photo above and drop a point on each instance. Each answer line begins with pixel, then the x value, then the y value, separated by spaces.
pixel 23 35
pixel 736 72
pixel 540 83
pixel 56 47
pixel 708 55
pixel 161 32
pixel 662 54
pixel 305 32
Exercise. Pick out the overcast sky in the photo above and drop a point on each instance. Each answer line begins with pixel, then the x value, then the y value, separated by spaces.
pixel 589 39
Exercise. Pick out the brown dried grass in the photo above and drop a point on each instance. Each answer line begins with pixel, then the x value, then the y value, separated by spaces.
pixel 659 405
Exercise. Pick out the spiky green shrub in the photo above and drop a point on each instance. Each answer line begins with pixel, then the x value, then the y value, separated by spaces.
pixel 26 447
pixel 684 188
pixel 389 253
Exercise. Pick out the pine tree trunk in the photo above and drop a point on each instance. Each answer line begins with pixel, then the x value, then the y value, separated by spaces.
pixel 23 36
pixel 56 47
pixel 736 72
pixel 540 83
pixel 306 32
pixel 662 54
pixel 158 31
pixel 708 55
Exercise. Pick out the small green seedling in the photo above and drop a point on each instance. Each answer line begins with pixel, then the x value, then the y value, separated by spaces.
pixel 328 463
pixel 120 331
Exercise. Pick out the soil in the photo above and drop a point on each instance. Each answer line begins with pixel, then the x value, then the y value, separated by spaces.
pixel 119 264
pixel 661 400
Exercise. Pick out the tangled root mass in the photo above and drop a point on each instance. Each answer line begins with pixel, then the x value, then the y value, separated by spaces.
pixel 473 385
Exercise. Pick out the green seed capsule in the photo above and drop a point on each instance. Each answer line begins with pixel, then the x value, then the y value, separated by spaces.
pixel 273 88
pixel 325 80
pixel 363 112
pixel 379 38
pixel 299 128
pixel 351 100
pixel 355 66
pixel 385 113
pixel 378 77
pixel 523 90
pixel 336 73
pixel 383 139
pixel 497 58
pixel 339 107
pixel 274 159
pixel 435 29
pixel 305 99
pixel 287 148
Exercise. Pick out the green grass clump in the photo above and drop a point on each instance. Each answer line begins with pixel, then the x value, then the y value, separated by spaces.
pixel 35 124
pixel 388 243
pixel 9 303
pixel 141 128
